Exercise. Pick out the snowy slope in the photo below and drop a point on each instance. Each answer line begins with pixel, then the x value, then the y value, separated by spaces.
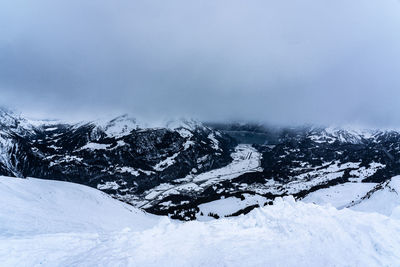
pixel 341 195
pixel 34 206
pixel 383 198
pixel 288 233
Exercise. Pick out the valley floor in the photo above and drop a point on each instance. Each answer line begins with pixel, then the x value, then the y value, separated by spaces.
pixel 49 223
pixel 244 159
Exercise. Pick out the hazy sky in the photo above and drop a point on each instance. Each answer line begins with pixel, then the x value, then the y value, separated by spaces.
pixel 282 61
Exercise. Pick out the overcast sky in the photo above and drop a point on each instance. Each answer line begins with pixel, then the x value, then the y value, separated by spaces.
pixel 282 61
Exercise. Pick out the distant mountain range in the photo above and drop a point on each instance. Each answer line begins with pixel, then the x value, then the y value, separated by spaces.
pixel 187 169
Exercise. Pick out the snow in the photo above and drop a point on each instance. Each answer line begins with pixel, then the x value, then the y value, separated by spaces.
pixel 108 185
pixel 214 141
pixel 55 147
pixel 30 207
pixel 6 145
pixel 119 126
pixel 120 143
pixel 191 187
pixel 128 170
pixel 381 198
pixel 95 146
pixel 305 181
pixel 151 195
pixel 52 223
pixel 202 159
pixel 245 159
pixel 310 177
pixel 228 206
pixel 350 134
pixel 66 159
pixel 181 123
pixel 363 172
pixel 51 129
pixel 188 144
pixel 162 165
pixel 341 195
pixel 185 133
pixel 384 199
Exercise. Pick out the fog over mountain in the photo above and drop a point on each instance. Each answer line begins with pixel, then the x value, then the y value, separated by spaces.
pixel 288 62
pixel 201 133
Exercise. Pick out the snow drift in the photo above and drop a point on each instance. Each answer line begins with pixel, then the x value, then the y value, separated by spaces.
pixel 52 223
pixel 34 206
pixel 383 198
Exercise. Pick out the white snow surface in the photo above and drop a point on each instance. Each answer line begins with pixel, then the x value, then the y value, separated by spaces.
pixel 162 165
pixel 94 146
pixel 339 196
pixel 385 200
pixel 51 223
pixel 117 127
pixel 368 197
pixel 228 206
pixel 36 207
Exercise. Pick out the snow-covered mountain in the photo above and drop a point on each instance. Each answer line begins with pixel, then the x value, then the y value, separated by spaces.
pixel 121 156
pixel 53 223
pixel 188 170
pixel 191 171
pixel 300 161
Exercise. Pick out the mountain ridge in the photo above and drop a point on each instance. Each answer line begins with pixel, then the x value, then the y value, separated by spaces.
pixel 175 169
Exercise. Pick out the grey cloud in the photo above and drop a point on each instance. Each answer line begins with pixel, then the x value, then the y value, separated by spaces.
pixel 286 61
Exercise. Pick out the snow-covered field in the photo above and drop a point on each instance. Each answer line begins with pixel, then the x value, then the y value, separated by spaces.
pixel 245 159
pixel 381 198
pixel 340 196
pixel 50 223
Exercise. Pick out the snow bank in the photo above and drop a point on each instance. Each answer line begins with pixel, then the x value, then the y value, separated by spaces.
pixel 33 206
pixel 339 196
pixel 227 206
pixel 288 233
pixel 384 198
